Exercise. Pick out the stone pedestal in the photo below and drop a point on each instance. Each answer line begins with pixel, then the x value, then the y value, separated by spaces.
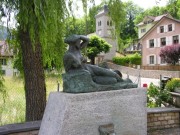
pixel 82 114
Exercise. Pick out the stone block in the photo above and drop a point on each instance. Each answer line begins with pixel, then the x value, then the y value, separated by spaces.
pixel 164 114
pixel 82 114
pixel 155 118
pixel 161 118
pixel 167 117
pixel 164 122
pixel 157 123
pixel 171 121
pixel 171 114
pixel 157 115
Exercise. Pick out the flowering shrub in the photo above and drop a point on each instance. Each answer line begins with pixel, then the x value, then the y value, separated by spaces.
pixel 172 84
pixel 157 96
pixel 171 54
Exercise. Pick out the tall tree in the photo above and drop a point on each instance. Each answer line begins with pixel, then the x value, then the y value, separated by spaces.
pixel 40 38
pixel 129 32
pixel 91 21
pixel 118 16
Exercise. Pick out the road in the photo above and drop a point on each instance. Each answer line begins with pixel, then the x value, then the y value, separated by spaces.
pixel 142 81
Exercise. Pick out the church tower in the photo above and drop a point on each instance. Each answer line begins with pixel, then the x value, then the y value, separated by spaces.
pixel 105 30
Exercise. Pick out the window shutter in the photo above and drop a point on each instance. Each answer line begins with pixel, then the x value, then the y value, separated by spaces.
pixel 147 60
pixel 173 27
pixel 170 40
pixel 159 60
pixel 147 43
pixel 166 39
pixel 165 28
pixel 155 59
pixel 155 42
pixel 158 42
pixel 158 30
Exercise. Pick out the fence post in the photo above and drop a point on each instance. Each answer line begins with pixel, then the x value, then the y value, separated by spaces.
pixel 160 81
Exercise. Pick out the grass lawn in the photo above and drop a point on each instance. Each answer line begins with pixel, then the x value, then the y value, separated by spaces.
pixel 13 110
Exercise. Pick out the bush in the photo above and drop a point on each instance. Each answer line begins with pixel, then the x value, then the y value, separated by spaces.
pixel 134 59
pixel 156 96
pixel 121 60
pixel 172 84
pixel 170 54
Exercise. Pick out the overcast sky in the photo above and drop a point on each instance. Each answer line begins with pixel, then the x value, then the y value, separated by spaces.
pixel 149 3
pixel 142 3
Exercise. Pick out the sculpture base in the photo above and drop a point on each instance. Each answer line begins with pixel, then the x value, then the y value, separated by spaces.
pixel 82 114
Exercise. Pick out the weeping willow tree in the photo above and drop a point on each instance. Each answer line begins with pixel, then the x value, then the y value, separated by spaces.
pixel 40 25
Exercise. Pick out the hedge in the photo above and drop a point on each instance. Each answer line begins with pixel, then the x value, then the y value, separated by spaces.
pixel 135 60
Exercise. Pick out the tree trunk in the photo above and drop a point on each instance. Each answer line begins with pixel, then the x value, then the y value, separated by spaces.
pixel 35 90
pixel 92 60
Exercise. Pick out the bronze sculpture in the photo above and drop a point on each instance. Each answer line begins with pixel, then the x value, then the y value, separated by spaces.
pixel 89 77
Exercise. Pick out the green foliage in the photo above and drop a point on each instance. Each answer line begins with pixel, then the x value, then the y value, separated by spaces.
pixel 135 59
pixel 75 26
pixel 173 84
pixel 124 61
pixel 121 60
pixel 97 45
pixel 13 109
pixel 91 21
pixel 44 23
pixel 154 11
pixel 118 16
pixel 129 32
pixel 156 96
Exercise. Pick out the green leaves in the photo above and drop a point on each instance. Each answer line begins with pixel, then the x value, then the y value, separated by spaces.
pixel 157 96
pixel 173 84
pixel 96 46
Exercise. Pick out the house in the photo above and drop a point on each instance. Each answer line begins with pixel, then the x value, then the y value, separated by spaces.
pixel 105 30
pixel 148 22
pixel 6 59
pixel 164 32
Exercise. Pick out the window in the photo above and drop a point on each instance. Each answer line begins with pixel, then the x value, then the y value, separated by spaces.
pixel 99 23
pixel 175 39
pixel 151 43
pixel 151 59
pixel 161 29
pixel 3 61
pixel 163 41
pixel 107 23
pixel 143 30
pixel 170 27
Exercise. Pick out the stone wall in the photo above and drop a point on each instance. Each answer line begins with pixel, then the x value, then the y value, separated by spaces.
pixel 162 118
pixel 27 128
pixel 144 73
